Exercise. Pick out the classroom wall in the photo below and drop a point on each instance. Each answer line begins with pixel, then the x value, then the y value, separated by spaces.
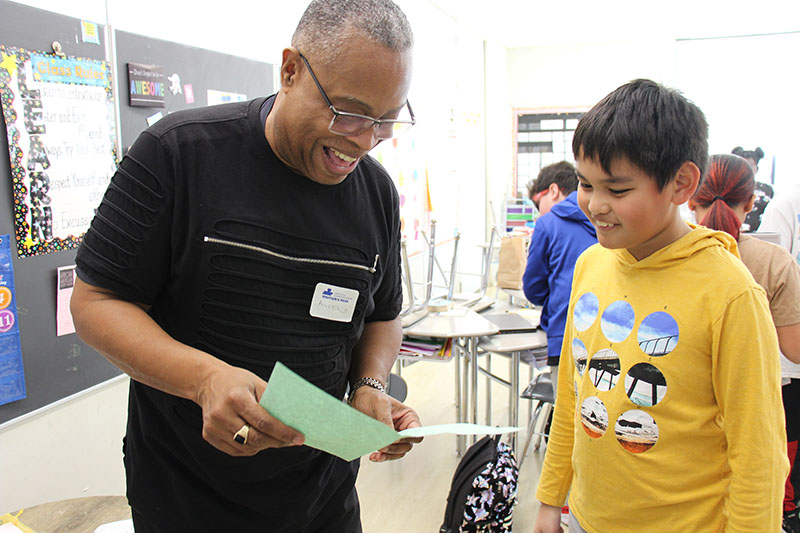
pixel 69 450
pixel 743 85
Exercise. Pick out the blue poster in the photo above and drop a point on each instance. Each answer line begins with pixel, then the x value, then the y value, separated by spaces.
pixel 12 376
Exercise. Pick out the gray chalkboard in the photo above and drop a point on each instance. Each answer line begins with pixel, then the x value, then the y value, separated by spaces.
pixel 202 69
pixel 58 367
pixel 55 367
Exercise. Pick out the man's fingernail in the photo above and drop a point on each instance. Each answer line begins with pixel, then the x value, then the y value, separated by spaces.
pixel 298 441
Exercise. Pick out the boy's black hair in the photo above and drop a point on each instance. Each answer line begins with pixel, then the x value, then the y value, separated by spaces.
pixel 654 127
pixel 562 174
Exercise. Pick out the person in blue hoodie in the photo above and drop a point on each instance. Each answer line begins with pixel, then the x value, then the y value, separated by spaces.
pixel 561 233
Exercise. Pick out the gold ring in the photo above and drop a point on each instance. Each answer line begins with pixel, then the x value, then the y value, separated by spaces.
pixel 241 435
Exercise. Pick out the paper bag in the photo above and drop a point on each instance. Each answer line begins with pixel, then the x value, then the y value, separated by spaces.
pixel 512 263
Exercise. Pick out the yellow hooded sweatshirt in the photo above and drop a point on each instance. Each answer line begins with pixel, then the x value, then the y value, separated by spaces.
pixel 669 415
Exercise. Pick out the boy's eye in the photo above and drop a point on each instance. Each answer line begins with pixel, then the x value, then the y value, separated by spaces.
pixel 618 191
pixel 583 185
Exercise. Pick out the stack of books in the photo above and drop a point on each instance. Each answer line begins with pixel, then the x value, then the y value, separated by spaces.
pixel 419 347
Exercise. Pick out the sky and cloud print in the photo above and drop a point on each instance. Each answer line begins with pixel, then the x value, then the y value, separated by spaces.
pixel 586 309
pixel 617 321
pixel 658 334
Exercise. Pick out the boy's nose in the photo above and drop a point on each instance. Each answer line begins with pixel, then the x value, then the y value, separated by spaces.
pixel 597 206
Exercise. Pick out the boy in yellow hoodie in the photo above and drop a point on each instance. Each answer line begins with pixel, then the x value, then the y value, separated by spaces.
pixel 668 416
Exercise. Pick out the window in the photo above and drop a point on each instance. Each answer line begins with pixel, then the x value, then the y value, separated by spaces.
pixel 542 138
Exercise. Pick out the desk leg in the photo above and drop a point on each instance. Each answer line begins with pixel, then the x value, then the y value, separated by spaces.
pixel 514 399
pixel 473 354
pixel 465 381
pixel 457 354
pixel 488 389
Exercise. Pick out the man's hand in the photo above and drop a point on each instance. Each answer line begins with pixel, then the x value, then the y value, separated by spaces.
pixel 548 520
pixel 394 414
pixel 229 398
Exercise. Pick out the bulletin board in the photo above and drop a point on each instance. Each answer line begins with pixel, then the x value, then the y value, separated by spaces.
pixel 54 367
pixel 57 367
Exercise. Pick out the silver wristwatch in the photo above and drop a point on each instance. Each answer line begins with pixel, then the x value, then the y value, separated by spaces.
pixel 369 382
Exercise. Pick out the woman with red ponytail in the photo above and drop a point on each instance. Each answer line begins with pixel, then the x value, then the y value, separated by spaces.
pixel 722 202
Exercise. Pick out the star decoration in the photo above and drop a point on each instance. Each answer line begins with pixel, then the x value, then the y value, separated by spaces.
pixel 9 63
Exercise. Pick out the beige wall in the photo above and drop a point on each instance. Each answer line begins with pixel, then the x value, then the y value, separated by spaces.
pixel 68 450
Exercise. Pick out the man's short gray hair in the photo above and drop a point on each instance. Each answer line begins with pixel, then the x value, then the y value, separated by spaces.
pixel 326 23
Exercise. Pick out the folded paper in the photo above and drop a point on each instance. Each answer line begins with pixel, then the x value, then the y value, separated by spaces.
pixel 332 426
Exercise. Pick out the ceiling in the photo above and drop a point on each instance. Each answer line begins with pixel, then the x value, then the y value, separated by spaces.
pixel 517 23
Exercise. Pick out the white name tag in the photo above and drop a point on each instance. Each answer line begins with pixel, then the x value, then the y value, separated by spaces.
pixel 333 303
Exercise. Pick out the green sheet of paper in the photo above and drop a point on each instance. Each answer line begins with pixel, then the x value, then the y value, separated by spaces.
pixel 333 426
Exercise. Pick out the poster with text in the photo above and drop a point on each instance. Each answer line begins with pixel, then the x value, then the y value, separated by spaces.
pixel 59 116
pixel 12 376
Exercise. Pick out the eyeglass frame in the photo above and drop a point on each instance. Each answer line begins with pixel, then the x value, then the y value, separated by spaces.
pixel 536 198
pixel 337 113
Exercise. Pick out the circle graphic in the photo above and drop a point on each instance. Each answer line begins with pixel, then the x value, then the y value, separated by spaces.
pixel 594 417
pixel 5 297
pixel 645 385
pixel 658 334
pixel 636 431
pixel 617 321
pixel 586 309
pixel 579 355
pixel 604 369
pixel 6 320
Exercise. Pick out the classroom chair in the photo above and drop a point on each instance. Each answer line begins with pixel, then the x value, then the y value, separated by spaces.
pixel 540 391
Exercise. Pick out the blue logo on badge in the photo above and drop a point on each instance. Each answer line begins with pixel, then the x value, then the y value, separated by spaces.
pixel 328 292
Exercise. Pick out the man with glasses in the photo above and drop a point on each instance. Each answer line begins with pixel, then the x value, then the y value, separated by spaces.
pixel 208 262
pixel 561 233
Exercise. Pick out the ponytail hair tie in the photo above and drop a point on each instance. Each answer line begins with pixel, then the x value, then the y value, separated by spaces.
pixel 718 197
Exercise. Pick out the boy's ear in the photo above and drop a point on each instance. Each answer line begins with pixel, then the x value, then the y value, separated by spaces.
pixel 685 183
pixel 556 192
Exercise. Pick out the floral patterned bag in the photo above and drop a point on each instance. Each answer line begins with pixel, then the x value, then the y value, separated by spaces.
pixel 484 489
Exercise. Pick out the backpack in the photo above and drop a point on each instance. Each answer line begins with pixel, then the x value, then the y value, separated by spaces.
pixel 484 489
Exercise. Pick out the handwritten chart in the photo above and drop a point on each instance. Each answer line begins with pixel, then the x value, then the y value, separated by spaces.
pixel 59 116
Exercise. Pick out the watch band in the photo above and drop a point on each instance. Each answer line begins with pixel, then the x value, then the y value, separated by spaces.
pixel 365 381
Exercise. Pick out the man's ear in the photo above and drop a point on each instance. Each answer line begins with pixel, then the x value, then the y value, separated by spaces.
pixel 685 183
pixel 290 66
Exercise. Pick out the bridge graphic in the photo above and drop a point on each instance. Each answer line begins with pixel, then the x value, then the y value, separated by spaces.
pixel 658 346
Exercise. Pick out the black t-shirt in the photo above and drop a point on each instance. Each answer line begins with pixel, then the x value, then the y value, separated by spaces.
pixel 206 225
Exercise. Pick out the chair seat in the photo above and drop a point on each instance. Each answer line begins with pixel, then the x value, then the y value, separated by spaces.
pixel 541 388
pixel 397 388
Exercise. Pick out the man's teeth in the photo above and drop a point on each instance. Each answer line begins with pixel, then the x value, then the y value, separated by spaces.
pixel 604 224
pixel 342 156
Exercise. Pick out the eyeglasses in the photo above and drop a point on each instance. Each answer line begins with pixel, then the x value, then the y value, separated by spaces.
pixel 537 197
pixel 344 123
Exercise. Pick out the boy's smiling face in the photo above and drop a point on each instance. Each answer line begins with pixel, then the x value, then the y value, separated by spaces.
pixel 627 209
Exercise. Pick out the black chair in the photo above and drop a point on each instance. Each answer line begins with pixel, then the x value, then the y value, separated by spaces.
pixel 540 390
pixel 397 388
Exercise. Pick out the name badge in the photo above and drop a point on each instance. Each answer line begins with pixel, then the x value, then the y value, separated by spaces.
pixel 333 303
